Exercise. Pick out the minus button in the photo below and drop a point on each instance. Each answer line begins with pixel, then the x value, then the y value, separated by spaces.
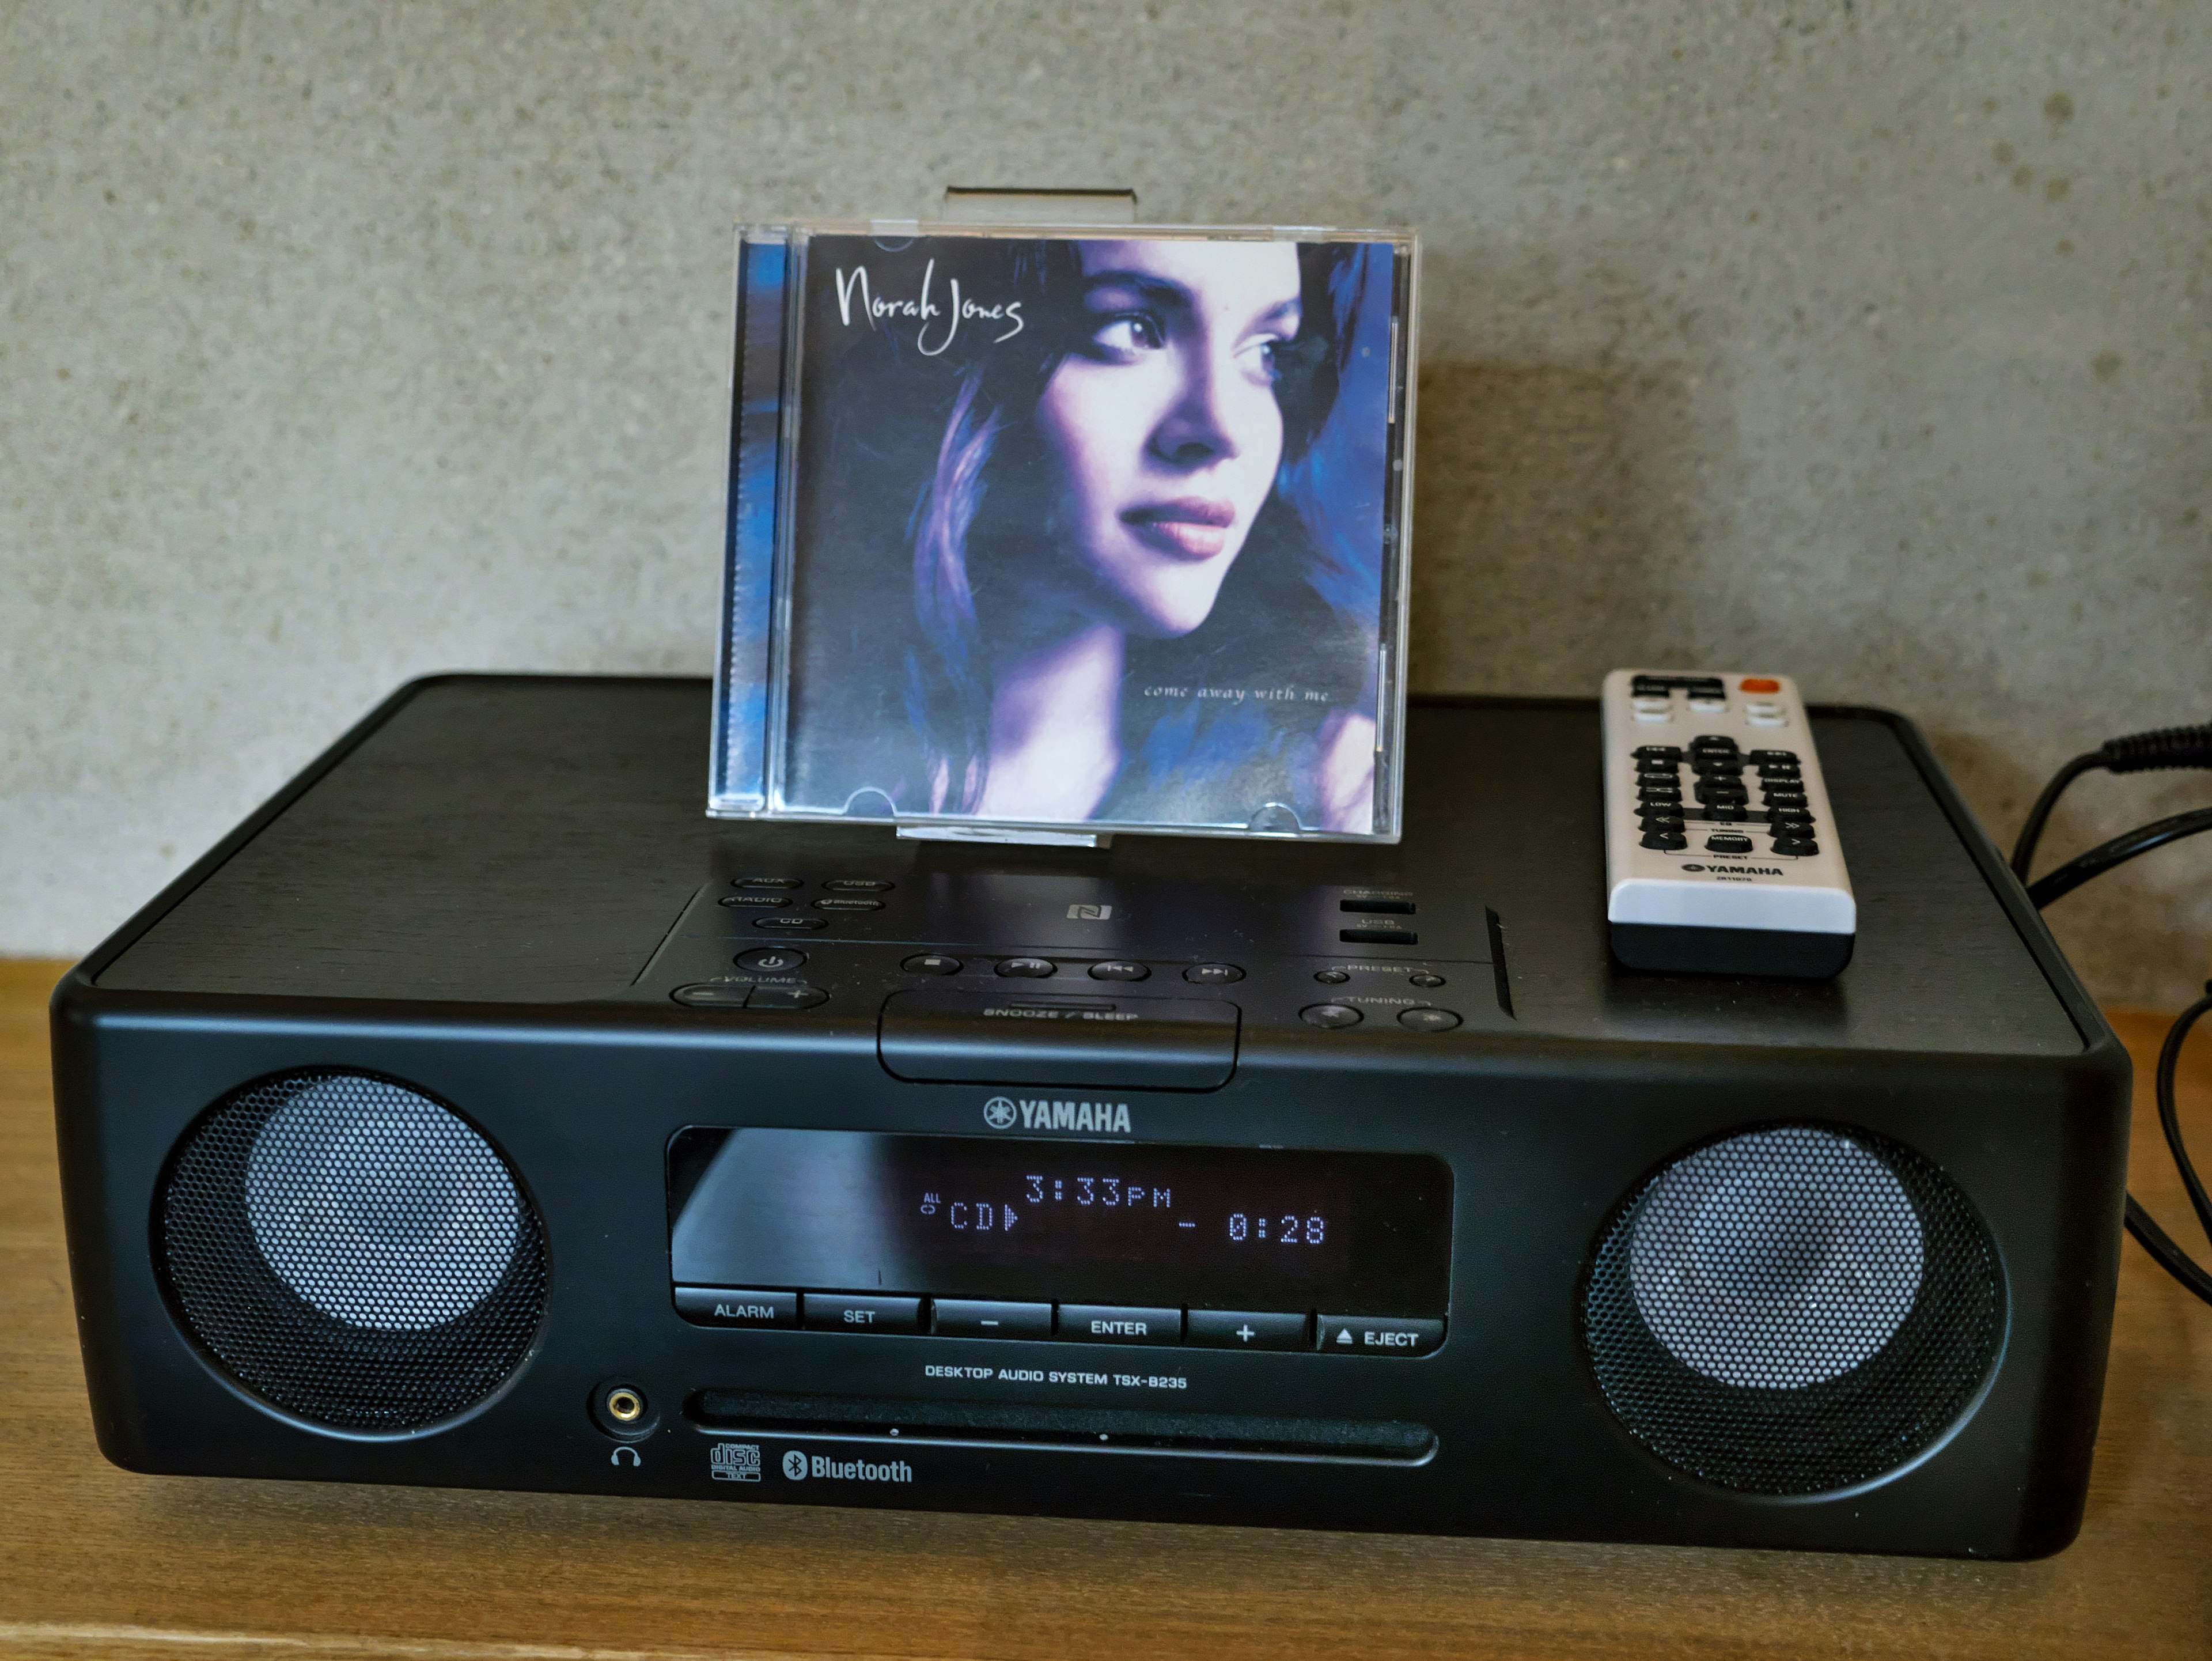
pixel 977 1318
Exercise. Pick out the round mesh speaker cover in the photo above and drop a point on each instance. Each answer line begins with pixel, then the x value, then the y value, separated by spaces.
pixel 351 1252
pixel 1793 1310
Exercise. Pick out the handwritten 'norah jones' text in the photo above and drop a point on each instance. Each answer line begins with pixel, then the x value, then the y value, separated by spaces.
pixel 856 294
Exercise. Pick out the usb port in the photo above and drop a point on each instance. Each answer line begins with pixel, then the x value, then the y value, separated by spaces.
pixel 1379 908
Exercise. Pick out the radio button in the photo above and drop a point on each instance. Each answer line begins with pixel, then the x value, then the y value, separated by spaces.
pixel 728 1306
pixel 1223 1329
pixel 1104 1324
pixel 1377 1335
pixel 857 1311
pixel 974 1318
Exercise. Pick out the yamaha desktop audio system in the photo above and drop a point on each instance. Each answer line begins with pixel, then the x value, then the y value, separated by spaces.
pixel 480 1114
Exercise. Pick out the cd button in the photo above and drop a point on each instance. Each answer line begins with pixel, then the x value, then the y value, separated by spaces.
pixel 1331 1015
pixel 772 959
pixel 787 997
pixel 1213 974
pixel 1029 969
pixel 854 1311
pixel 713 994
pixel 1222 1329
pixel 1375 1334
pixel 729 1306
pixel 931 963
pixel 1104 1324
pixel 1119 971
pixel 858 886
pixel 791 922
pixel 976 1318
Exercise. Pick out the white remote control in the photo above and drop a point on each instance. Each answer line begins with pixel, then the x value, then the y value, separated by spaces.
pixel 1720 847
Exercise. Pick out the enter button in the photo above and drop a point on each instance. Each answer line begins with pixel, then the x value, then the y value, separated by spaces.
pixel 1377 1335
pixel 1230 1329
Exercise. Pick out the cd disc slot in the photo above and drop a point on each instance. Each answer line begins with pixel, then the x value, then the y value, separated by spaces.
pixel 940 1423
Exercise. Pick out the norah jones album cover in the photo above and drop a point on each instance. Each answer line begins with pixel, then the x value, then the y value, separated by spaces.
pixel 1086 531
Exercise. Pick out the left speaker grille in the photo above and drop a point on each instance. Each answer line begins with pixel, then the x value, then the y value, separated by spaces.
pixel 351 1251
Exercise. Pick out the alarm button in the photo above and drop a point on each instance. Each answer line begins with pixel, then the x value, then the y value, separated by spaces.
pixel 734 1306
pixel 1377 1335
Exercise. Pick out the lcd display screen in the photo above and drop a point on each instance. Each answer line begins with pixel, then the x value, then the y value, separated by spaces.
pixel 1103 1222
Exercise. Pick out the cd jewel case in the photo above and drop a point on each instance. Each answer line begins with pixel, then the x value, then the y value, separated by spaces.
pixel 1048 530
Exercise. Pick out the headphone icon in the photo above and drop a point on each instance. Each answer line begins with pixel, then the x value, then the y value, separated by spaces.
pixel 635 1457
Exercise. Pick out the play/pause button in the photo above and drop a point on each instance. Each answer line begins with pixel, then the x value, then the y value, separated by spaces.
pixel 1237 1329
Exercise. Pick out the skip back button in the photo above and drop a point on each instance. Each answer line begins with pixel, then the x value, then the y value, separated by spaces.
pixel 1377 1335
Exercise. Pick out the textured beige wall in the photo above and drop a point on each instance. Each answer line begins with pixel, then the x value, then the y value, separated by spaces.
pixel 1862 339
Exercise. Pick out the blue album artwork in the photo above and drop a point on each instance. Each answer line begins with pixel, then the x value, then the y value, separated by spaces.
pixel 1074 531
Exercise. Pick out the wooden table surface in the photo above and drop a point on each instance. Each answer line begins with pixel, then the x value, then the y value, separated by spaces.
pixel 96 1561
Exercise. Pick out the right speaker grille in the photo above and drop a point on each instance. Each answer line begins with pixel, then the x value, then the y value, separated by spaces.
pixel 1793 1310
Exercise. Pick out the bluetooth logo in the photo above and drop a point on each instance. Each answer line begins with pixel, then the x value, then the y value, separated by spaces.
pixel 794 1464
pixel 998 1113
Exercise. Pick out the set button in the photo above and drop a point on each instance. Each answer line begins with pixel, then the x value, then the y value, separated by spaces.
pixel 854 1311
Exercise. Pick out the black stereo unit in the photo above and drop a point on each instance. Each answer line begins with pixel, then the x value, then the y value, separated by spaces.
pixel 480 1114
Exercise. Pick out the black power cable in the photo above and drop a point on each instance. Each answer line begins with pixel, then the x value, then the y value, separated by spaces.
pixel 2169 746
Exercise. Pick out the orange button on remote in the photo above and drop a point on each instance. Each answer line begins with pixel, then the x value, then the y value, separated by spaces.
pixel 1756 684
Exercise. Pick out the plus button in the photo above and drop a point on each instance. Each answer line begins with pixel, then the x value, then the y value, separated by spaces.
pixel 1246 1333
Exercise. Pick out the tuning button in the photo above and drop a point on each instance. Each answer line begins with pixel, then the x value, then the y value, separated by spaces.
pixel 1666 841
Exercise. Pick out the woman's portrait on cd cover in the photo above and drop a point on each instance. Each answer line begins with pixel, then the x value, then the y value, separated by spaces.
pixel 1092 530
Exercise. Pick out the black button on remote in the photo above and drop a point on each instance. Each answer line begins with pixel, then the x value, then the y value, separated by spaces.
pixel 1667 752
pixel 1797 847
pixel 1660 821
pixel 1725 845
pixel 772 959
pixel 1029 969
pixel 1666 841
pixel 931 963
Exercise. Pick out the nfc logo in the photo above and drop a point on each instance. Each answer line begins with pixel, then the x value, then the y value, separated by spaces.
pixel 1089 913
